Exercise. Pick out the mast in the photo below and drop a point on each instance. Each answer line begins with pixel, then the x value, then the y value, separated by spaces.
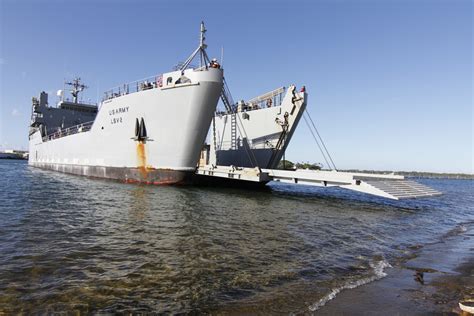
pixel 202 46
pixel 201 50
pixel 77 87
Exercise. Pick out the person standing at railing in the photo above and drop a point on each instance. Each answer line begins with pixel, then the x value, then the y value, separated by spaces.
pixel 214 63
pixel 159 81
pixel 269 103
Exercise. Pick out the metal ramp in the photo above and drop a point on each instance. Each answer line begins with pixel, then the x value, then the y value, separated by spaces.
pixel 384 185
pixel 403 189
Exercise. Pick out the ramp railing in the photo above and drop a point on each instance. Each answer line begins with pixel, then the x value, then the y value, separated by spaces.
pixel 269 99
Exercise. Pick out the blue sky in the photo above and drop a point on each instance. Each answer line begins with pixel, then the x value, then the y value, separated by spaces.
pixel 389 82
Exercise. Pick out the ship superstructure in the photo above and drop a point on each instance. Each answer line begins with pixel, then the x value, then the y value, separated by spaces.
pixel 150 130
pixel 67 113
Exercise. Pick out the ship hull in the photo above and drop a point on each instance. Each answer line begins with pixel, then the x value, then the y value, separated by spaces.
pixel 123 174
pixel 177 118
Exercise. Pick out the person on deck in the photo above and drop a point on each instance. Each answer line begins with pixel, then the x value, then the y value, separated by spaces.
pixel 269 103
pixel 215 64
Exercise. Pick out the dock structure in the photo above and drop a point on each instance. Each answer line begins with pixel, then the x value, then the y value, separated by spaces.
pixel 389 186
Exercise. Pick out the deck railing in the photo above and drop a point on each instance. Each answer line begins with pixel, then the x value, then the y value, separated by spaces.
pixel 269 99
pixel 79 102
pixel 134 86
pixel 80 128
pixel 266 100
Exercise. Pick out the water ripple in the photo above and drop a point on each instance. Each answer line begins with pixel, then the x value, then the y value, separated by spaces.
pixel 77 245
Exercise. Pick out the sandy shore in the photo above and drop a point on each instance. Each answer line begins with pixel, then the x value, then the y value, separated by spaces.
pixel 448 276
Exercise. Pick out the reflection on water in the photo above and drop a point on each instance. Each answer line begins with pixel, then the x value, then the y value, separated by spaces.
pixel 69 243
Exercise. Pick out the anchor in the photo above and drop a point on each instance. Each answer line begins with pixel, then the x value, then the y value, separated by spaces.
pixel 140 131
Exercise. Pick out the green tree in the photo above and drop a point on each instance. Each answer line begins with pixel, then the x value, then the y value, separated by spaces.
pixel 285 164
pixel 307 165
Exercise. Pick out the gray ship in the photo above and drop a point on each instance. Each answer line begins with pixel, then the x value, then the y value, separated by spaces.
pixel 151 130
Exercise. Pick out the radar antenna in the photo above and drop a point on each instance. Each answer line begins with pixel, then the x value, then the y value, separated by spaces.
pixel 77 87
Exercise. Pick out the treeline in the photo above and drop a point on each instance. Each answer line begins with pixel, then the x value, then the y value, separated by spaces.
pixel 288 165
pixel 420 174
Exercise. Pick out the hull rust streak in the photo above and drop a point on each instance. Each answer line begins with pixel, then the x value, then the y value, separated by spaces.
pixel 141 155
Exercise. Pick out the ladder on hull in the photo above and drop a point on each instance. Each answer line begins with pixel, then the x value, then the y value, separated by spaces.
pixel 384 185
pixel 228 103
pixel 233 131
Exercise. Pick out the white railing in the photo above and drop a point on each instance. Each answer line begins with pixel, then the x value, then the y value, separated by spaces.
pixel 266 100
pixel 80 128
pixel 269 99
pixel 79 102
pixel 134 86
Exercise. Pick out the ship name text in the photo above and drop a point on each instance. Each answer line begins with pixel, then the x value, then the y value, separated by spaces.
pixel 116 116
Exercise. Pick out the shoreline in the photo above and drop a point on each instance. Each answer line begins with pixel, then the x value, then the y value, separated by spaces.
pixel 447 269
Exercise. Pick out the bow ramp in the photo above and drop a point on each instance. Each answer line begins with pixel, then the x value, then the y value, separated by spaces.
pixel 402 189
pixel 384 185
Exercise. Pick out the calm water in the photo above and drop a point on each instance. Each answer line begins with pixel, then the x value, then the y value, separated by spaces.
pixel 72 244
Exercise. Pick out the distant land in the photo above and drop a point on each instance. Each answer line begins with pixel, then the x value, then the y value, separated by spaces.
pixel 287 164
pixel 13 154
pixel 420 174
